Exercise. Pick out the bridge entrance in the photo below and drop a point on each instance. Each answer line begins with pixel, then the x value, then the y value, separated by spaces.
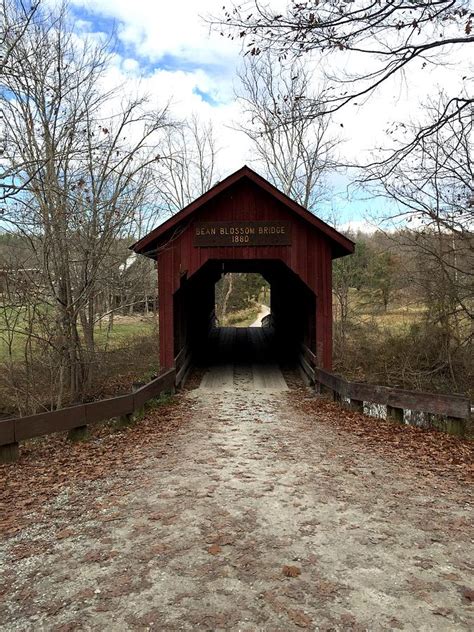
pixel 244 225
pixel 291 322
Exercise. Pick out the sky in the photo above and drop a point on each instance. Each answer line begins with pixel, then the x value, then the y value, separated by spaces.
pixel 169 47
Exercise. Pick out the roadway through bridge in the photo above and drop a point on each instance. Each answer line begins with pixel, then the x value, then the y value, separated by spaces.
pixel 243 358
pixel 239 505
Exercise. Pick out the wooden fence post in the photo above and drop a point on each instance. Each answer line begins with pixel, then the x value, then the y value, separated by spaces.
pixel 357 405
pixel 126 420
pixel 395 414
pixel 139 409
pixel 326 390
pixel 455 426
pixel 9 453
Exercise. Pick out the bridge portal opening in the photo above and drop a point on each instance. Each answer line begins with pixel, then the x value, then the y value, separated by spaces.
pixel 242 299
pixel 200 328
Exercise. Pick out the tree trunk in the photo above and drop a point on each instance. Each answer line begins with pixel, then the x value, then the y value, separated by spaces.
pixel 226 297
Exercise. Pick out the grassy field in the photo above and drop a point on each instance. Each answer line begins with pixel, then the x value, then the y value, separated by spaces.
pixel 402 346
pixel 241 318
pixel 395 319
pixel 363 308
pixel 124 330
pixel 398 317
pixel 128 353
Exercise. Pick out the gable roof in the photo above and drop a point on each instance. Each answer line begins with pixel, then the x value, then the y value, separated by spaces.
pixel 147 245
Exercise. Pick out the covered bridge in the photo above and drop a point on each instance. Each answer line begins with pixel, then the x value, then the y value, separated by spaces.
pixel 244 224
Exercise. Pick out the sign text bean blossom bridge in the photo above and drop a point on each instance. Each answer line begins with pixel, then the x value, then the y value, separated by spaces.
pixel 208 234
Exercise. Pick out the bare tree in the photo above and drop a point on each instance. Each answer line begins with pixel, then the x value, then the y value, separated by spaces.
pixel 15 18
pixel 349 273
pixel 297 152
pixel 189 170
pixel 433 187
pixel 385 38
pixel 80 162
pixel 223 299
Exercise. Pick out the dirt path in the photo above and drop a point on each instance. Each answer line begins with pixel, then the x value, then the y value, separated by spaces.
pixel 264 311
pixel 205 530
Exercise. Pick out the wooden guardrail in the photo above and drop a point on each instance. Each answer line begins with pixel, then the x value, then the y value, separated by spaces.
pixel 182 363
pixel 75 419
pixel 449 413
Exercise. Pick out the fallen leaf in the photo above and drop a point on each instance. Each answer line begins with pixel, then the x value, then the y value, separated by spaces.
pixel 214 549
pixel 299 618
pixel 64 533
pixel 467 593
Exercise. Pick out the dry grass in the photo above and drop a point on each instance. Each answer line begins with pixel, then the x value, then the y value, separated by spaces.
pixel 241 318
pixel 399 347
pixel 128 353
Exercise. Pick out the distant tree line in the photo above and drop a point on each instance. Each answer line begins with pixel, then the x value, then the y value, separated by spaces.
pixel 424 273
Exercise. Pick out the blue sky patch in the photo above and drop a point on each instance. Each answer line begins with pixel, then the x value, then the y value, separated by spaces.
pixel 98 23
pixel 172 63
pixel 206 97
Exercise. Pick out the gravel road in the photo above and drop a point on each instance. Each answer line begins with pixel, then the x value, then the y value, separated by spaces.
pixel 255 515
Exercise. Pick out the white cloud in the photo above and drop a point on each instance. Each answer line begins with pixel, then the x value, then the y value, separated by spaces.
pixel 172 56
pixel 130 65
pixel 169 46
pixel 177 28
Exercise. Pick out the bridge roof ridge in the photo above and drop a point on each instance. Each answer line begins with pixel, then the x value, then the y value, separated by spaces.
pixel 146 245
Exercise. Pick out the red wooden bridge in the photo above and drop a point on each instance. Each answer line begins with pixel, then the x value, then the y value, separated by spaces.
pixel 244 224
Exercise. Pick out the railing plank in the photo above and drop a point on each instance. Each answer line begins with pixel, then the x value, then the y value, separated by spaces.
pixel 182 371
pixel 20 428
pixel 155 388
pixel 457 406
pixel 7 431
pixel 108 408
pixel 309 356
pixel 334 382
pixel 433 403
pixel 307 368
pixel 178 361
pixel 369 393
pixel 49 422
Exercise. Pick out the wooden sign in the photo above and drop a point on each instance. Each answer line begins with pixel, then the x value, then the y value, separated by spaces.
pixel 261 233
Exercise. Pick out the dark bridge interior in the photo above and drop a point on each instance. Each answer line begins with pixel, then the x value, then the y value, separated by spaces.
pixel 242 345
pixel 292 310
